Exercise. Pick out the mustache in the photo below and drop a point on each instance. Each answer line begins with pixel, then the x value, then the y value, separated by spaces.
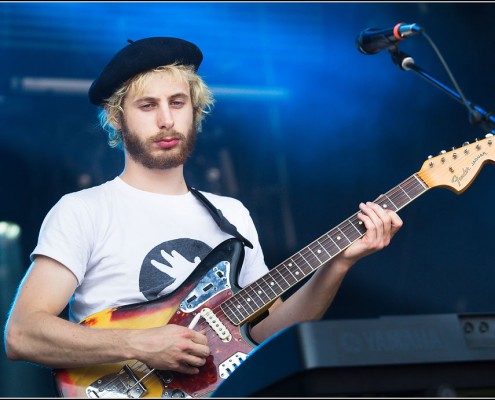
pixel 164 135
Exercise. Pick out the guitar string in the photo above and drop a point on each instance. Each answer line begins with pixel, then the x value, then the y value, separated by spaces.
pixel 406 191
pixel 307 254
pixel 392 196
pixel 347 227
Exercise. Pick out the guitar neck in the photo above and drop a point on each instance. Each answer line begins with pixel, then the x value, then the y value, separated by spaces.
pixel 249 300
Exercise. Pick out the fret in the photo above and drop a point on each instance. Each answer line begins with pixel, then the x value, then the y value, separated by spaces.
pixel 280 282
pixel 270 284
pixel 358 224
pixel 350 234
pixel 354 226
pixel 291 278
pixel 261 293
pixel 241 310
pixel 420 182
pixel 324 248
pixel 305 260
pixel 297 271
pixel 252 295
pixel 405 192
pixel 330 246
pixel 234 308
pixel 310 257
pixel 416 187
pixel 319 255
pixel 400 196
pixel 339 239
pixel 386 205
pixel 246 301
pixel 304 267
pixel 231 314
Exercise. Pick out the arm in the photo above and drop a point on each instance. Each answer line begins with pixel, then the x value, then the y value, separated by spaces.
pixel 312 300
pixel 35 332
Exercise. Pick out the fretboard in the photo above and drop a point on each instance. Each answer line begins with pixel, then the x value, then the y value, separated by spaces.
pixel 249 300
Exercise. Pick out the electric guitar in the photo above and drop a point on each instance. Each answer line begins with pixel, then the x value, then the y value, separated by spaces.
pixel 210 298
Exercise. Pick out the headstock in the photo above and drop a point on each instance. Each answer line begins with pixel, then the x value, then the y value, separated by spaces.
pixel 458 168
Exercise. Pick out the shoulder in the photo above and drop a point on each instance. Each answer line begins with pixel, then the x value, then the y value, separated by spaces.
pixel 93 194
pixel 86 200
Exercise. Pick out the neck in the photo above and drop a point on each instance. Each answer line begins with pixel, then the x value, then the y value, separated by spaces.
pixel 169 181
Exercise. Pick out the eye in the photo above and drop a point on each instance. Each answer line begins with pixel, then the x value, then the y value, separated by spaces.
pixel 147 106
pixel 177 103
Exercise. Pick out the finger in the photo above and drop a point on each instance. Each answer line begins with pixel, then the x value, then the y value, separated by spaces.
pixel 380 213
pixel 193 361
pixel 396 222
pixel 199 350
pixel 187 369
pixel 370 220
pixel 199 338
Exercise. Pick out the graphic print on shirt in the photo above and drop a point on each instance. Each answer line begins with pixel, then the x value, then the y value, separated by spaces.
pixel 169 264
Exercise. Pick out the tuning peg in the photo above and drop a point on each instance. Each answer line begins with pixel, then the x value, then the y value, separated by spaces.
pixel 442 152
pixel 489 135
pixel 465 143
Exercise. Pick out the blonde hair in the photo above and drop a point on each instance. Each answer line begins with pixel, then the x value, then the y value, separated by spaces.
pixel 112 114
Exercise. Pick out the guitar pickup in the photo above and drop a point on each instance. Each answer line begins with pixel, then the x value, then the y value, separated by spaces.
pixel 207 287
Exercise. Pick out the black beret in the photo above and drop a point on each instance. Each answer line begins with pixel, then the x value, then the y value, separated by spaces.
pixel 139 56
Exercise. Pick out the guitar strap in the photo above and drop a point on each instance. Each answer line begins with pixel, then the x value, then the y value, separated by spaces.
pixel 221 221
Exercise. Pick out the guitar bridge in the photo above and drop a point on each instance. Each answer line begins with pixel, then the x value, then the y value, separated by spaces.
pixel 122 385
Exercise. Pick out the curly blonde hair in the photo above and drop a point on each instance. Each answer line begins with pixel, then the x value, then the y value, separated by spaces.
pixel 112 114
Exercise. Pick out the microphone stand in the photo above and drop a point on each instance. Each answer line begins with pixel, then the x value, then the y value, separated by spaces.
pixel 477 115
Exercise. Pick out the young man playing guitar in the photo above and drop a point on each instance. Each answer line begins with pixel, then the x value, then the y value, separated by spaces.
pixel 137 238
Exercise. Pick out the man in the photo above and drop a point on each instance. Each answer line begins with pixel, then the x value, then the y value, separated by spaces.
pixel 139 236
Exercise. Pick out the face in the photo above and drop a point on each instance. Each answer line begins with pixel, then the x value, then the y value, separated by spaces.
pixel 157 129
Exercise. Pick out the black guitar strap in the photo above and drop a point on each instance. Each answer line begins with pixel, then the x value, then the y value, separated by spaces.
pixel 221 221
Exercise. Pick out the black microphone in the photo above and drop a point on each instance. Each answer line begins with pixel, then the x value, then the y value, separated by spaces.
pixel 373 40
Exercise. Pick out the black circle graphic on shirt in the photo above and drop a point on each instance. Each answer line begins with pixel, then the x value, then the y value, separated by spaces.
pixel 151 279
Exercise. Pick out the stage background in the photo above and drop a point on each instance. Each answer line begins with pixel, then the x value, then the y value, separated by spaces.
pixel 305 127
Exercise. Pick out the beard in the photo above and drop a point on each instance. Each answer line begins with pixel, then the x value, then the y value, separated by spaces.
pixel 141 150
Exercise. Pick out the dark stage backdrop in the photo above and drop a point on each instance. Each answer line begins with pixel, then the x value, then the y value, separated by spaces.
pixel 305 127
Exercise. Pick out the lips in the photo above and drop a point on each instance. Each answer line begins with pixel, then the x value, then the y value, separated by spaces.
pixel 167 143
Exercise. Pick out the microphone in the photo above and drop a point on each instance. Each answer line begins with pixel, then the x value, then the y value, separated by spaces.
pixel 372 40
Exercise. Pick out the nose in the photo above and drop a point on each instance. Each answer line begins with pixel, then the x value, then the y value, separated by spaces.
pixel 165 118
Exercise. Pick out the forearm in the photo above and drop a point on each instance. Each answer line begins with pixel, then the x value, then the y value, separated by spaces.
pixel 56 343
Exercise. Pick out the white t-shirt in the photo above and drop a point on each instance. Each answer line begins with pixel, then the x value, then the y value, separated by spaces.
pixel 125 245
